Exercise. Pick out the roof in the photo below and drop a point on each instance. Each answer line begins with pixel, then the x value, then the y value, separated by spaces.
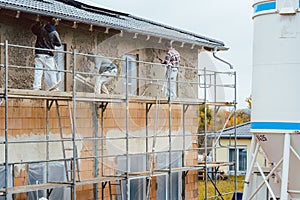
pixel 76 11
pixel 242 131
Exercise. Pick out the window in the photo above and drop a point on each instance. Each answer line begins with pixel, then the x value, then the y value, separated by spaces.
pixel 132 74
pixel 137 163
pixel 241 160
pixel 138 188
pixel 163 180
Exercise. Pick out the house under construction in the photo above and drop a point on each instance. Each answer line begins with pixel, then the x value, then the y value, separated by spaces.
pixel 133 143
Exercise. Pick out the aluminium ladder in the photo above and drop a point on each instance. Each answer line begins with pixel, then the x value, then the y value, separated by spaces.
pixel 65 123
pixel 152 161
pixel 119 191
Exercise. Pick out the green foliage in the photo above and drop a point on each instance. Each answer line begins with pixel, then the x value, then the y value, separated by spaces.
pixel 242 116
pixel 249 101
pixel 201 123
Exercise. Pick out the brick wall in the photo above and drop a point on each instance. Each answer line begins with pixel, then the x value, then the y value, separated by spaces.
pixel 27 120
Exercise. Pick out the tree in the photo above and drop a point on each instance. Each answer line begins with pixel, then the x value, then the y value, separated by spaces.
pixel 221 117
pixel 201 122
pixel 242 116
pixel 249 101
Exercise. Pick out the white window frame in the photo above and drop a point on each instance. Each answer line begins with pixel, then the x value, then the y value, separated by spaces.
pixel 239 148
pixel 133 167
pixel 132 74
pixel 176 156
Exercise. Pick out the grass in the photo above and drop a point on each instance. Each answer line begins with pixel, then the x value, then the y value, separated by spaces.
pixel 224 186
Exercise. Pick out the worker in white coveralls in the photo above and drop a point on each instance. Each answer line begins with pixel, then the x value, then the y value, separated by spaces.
pixel 172 60
pixel 47 38
pixel 104 70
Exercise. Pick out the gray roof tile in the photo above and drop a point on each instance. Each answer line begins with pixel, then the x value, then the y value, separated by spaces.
pixel 242 131
pixel 103 17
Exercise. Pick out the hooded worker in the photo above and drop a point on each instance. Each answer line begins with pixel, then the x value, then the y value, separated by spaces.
pixel 104 70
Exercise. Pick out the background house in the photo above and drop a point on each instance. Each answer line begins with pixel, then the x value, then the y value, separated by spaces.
pixel 226 148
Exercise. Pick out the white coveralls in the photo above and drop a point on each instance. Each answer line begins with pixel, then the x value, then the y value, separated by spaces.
pixel 107 70
pixel 171 74
pixel 172 60
pixel 51 78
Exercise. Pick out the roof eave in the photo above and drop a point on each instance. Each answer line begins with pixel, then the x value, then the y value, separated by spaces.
pixel 238 137
pixel 209 45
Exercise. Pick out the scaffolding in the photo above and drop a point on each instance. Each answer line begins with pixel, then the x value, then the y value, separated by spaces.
pixel 101 165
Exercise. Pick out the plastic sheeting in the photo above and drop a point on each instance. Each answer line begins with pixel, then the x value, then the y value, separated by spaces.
pixel 2 180
pixel 163 181
pixel 137 163
pixel 37 175
pixel 137 186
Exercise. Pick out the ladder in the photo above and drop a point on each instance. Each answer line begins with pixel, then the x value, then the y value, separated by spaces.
pixel 65 124
pixel 118 190
pixel 152 160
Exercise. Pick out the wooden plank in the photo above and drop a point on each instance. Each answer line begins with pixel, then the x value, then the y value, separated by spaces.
pixel 30 188
pixel 38 94
pixel 215 164
pixel 85 96
pixel 100 180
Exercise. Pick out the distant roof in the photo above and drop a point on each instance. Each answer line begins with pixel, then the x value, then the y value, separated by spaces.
pixel 242 131
pixel 76 11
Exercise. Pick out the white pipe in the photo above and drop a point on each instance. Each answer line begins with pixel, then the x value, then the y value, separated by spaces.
pixel 250 166
pixel 214 54
pixel 267 178
pixel 285 167
pixel 224 126
pixel 295 153
pixel 294 191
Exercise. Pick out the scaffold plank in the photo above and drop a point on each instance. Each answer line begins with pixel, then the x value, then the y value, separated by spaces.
pixel 92 97
pixel 30 188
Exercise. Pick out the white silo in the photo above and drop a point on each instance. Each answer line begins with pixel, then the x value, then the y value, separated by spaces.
pixel 275 122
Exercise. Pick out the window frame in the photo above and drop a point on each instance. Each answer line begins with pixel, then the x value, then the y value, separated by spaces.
pixel 121 167
pixel 132 75
pixel 231 159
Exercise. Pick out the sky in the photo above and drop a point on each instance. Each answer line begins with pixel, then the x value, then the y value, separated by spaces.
pixel 229 21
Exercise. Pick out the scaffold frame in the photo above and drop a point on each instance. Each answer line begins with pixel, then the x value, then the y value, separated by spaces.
pixel 101 102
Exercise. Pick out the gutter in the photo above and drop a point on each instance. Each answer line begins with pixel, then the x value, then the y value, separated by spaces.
pixel 220 59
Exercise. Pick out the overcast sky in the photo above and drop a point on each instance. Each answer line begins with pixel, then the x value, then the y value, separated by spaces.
pixel 229 21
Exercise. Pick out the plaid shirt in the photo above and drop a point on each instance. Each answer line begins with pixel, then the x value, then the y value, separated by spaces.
pixel 172 57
